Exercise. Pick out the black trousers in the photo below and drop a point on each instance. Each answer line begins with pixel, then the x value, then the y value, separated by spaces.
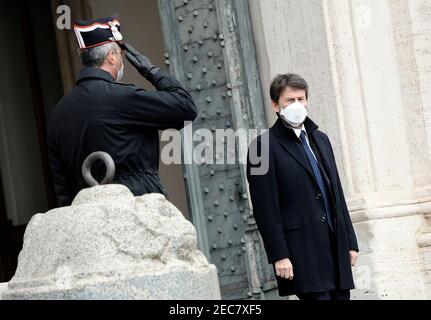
pixel 338 295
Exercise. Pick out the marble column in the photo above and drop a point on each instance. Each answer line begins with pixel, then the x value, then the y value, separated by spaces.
pixel 368 66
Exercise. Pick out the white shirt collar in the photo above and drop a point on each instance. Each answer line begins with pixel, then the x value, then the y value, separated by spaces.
pixel 298 131
pixel 298 134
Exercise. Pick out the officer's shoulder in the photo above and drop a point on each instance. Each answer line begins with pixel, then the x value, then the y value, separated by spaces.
pixel 123 84
pixel 126 86
pixel 59 109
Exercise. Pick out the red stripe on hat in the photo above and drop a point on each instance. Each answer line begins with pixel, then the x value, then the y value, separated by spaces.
pixel 96 23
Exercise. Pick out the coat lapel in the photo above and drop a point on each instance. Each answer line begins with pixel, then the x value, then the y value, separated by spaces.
pixel 290 142
pixel 319 144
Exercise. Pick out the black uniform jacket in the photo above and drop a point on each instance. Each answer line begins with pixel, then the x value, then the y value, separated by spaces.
pixel 100 114
pixel 288 209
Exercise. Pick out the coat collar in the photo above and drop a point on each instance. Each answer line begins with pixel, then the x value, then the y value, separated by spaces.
pixel 94 73
pixel 291 143
pixel 309 124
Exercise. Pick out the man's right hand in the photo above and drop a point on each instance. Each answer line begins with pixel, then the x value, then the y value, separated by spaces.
pixel 139 61
pixel 284 269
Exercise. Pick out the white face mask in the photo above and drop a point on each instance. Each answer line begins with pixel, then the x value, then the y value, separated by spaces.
pixel 120 72
pixel 295 114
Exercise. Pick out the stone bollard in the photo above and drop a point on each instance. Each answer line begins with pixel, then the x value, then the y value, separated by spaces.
pixel 3 288
pixel 111 245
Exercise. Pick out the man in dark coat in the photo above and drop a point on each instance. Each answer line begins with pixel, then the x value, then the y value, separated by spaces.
pixel 298 204
pixel 101 114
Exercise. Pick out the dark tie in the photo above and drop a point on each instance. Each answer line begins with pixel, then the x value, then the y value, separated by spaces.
pixel 318 175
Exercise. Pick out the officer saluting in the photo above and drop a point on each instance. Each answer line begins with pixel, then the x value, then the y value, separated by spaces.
pixel 101 114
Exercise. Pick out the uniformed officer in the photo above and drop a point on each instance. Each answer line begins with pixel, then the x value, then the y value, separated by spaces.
pixel 101 114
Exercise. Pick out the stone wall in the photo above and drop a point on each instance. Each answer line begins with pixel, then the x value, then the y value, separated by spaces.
pixel 368 66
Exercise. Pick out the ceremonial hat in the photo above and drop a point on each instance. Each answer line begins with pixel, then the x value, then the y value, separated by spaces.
pixel 96 32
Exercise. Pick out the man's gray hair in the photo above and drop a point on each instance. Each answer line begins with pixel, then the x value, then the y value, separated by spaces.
pixel 94 57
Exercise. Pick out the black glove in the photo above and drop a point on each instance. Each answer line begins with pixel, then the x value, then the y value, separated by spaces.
pixel 139 61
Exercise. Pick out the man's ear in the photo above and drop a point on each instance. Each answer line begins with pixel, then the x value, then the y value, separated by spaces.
pixel 275 106
pixel 111 56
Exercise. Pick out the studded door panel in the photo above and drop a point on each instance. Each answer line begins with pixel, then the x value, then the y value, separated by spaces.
pixel 199 53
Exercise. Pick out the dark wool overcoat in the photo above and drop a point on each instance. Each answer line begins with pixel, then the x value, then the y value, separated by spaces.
pixel 288 208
